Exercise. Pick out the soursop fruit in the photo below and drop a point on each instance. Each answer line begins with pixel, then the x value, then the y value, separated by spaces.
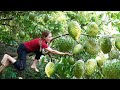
pixel 74 30
pixel 77 49
pixel 71 60
pixel 105 44
pixel 64 44
pixel 113 54
pixel 79 69
pixel 111 69
pixel 92 29
pixel 100 60
pixel 50 69
pixel 91 46
pixel 90 67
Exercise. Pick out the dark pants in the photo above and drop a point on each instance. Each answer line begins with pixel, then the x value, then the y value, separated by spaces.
pixel 22 51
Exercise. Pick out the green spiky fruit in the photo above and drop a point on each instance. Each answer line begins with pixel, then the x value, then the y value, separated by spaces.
pixel 117 43
pixel 90 67
pixel 100 60
pixel 22 34
pixel 71 61
pixel 113 54
pixel 50 69
pixel 64 44
pixel 111 69
pixel 77 49
pixel 79 69
pixel 60 69
pixel 92 29
pixel 106 45
pixel 74 30
pixel 91 46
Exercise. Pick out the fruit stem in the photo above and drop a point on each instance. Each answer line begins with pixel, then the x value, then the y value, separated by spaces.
pixel 50 57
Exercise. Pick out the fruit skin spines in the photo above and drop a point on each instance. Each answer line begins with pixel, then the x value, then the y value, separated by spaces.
pixel 71 61
pixel 74 30
pixel 100 60
pixel 79 69
pixel 92 29
pixel 111 69
pixel 91 46
pixel 90 67
pixel 65 44
pixel 50 69
pixel 77 49
pixel 113 54
pixel 105 44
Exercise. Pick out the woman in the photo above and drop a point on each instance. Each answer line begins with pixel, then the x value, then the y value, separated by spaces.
pixel 36 46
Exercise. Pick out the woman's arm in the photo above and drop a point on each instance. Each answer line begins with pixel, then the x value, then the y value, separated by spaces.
pixel 56 52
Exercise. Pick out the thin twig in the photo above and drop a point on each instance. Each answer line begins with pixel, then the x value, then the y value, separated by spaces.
pixel 6 19
pixel 50 57
pixel 81 34
pixel 6 24
pixel 59 36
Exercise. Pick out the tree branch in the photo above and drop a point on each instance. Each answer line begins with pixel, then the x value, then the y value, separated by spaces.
pixel 81 34
pixel 50 57
pixel 6 19
pixel 6 24
pixel 59 36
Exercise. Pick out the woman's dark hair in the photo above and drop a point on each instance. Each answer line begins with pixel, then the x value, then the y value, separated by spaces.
pixel 45 34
